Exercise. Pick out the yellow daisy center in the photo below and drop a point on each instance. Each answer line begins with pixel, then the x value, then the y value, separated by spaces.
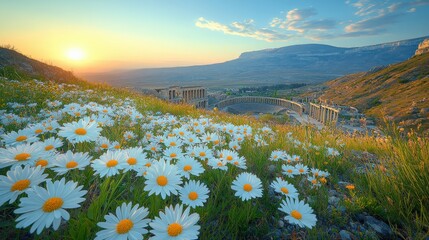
pixel 153 149
pixel 174 229
pixel 284 190
pixel 52 204
pixel 132 161
pixel 49 147
pixel 21 138
pixel 42 163
pixel 301 170
pixel 20 185
pixel 289 171
pixel 187 168
pixel 236 163
pixel 111 163
pixel 172 144
pixel 162 181
pixel 104 145
pixel 22 156
pixel 117 146
pixel 124 226
pixel 295 214
pixel 247 187
pixel 229 158
pixel 216 142
pixel 80 131
pixel 275 156
pixel 173 155
pixel 71 164
pixel 37 131
pixel 193 196
pixel 148 164
pixel 49 128
pixel 202 154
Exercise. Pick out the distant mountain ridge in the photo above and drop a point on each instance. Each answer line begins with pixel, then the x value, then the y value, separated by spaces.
pixel 307 63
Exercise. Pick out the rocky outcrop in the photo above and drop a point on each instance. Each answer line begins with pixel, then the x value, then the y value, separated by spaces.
pixel 423 47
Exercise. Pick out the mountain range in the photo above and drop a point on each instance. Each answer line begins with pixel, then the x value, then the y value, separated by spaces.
pixel 307 63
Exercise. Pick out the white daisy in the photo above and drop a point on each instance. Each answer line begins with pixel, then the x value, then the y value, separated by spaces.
pixel 162 178
pixel 189 166
pixel 203 152
pixel 173 153
pixel 283 187
pixel 194 193
pixel 247 186
pixel 22 136
pixel 240 163
pixel 135 159
pixel 128 223
pixel 24 154
pixel 110 163
pixel 82 131
pixel 175 224
pixel 45 159
pixel 277 155
pixel 68 161
pixel 18 180
pixel 289 170
pixel 129 135
pixel 45 207
pixel 51 144
pixel 218 163
pixel 302 169
pixel 234 145
pixel 298 212
pixel 228 155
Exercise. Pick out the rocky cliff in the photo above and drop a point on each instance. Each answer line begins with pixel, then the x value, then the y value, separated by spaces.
pixel 423 47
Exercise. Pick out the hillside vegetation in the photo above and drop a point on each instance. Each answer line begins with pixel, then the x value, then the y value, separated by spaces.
pixel 111 147
pixel 400 91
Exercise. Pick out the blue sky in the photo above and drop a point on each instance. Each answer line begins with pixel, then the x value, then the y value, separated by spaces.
pixel 131 34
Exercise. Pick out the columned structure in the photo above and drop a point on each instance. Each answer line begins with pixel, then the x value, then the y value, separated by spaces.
pixel 324 114
pixel 195 95
pixel 297 107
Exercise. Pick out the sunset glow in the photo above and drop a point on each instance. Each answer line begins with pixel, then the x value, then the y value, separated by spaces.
pixel 75 54
pixel 151 34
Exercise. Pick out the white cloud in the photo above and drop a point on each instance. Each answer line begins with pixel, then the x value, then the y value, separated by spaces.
pixel 298 20
pixel 243 29
pixel 378 16
pixel 370 26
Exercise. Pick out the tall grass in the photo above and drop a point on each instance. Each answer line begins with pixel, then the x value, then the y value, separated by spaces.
pixel 401 184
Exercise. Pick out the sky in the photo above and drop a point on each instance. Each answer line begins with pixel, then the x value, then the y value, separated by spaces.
pixel 91 36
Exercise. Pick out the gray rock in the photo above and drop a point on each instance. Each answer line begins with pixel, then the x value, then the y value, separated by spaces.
pixel 332 192
pixel 271 168
pixel 333 201
pixel 342 209
pixel 380 227
pixel 360 217
pixel 281 224
pixel 346 235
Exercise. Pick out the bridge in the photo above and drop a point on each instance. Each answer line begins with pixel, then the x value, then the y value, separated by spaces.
pixel 319 112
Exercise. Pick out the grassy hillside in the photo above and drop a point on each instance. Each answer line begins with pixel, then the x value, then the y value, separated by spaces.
pixel 400 91
pixel 111 146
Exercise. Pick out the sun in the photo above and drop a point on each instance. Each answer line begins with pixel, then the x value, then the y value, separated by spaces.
pixel 75 54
